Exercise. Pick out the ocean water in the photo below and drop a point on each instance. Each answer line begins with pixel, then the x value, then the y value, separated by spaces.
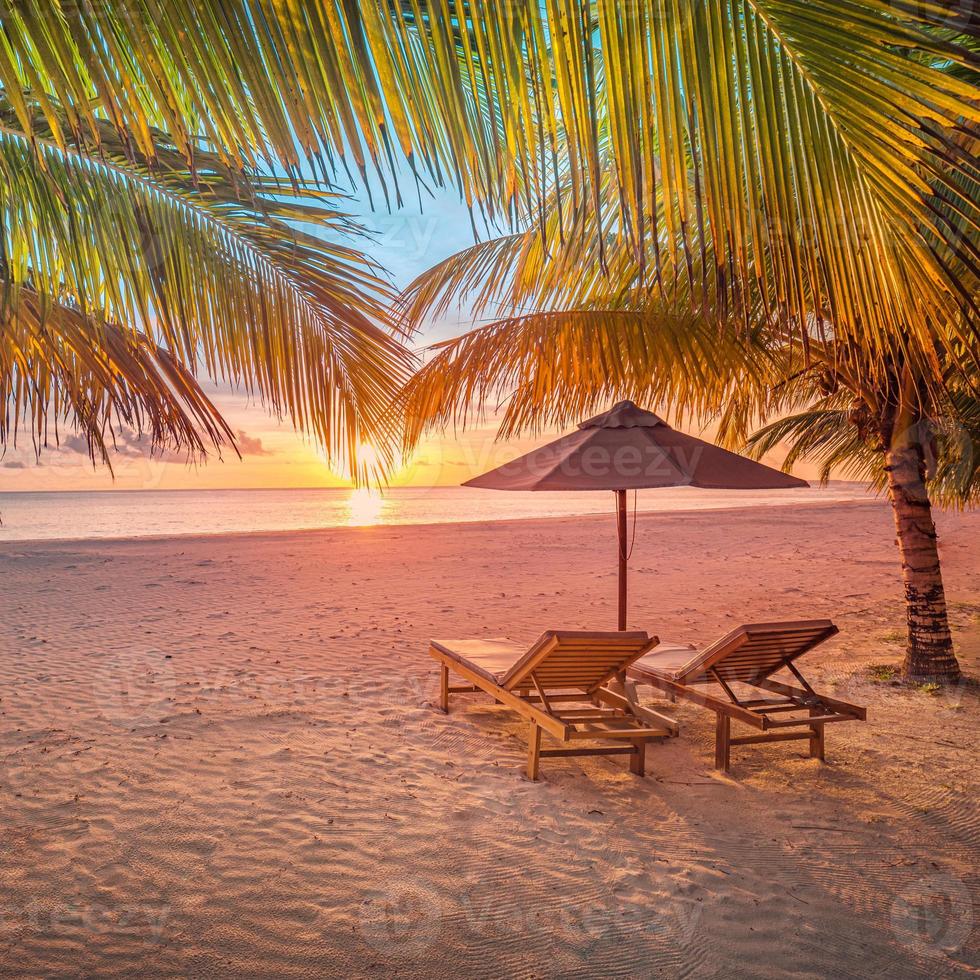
pixel 154 513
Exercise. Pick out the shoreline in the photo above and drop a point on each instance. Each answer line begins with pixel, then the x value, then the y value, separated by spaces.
pixel 558 518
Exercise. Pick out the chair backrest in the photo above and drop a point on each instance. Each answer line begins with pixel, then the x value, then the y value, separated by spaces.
pixel 577 659
pixel 751 653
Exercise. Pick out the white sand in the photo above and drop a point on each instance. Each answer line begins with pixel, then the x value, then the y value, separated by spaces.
pixel 219 756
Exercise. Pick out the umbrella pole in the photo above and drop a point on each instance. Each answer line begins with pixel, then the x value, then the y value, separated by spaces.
pixel 621 529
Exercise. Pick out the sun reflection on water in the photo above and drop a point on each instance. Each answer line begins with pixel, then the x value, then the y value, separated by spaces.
pixel 365 506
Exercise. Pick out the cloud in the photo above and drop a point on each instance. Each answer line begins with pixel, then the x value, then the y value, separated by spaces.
pixel 73 444
pixel 125 444
pixel 251 445
pixel 72 450
pixel 139 447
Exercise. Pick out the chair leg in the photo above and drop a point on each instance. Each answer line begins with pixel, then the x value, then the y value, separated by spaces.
pixel 817 736
pixel 444 688
pixel 723 742
pixel 638 758
pixel 533 751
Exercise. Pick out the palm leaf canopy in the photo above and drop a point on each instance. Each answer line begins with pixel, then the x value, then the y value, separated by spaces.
pixel 812 163
pixel 121 283
pixel 556 368
pixel 823 151
pixel 845 223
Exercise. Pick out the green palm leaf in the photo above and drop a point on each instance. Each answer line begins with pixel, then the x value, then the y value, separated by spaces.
pixel 556 368
pixel 816 158
pixel 341 84
pixel 800 145
pixel 825 435
pixel 214 269
pixel 810 165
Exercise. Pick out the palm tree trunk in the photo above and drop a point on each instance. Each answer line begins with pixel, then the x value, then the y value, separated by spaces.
pixel 929 653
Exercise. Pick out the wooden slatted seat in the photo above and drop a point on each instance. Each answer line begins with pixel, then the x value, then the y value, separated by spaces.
pixel 560 686
pixel 749 656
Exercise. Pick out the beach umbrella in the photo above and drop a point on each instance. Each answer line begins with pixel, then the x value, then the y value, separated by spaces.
pixel 628 448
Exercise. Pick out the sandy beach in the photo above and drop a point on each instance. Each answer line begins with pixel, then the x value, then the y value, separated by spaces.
pixel 220 756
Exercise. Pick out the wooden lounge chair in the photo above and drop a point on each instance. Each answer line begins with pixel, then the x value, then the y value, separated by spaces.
pixel 749 656
pixel 558 685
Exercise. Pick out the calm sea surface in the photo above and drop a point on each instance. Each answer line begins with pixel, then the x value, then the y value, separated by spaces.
pixel 120 514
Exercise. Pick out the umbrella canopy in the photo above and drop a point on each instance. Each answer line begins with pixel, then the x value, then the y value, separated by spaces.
pixel 628 448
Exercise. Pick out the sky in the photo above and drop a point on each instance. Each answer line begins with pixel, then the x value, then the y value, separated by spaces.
pixel 273 455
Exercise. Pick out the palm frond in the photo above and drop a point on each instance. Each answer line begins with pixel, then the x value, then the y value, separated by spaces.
pixel 955 470
pixel 827 436
pixel 818 159
pixel 807 166
pixel 801 145
pixel 61 370
pixel 215 268
pixel 555 368
pixel 339 84
pixel 566 262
